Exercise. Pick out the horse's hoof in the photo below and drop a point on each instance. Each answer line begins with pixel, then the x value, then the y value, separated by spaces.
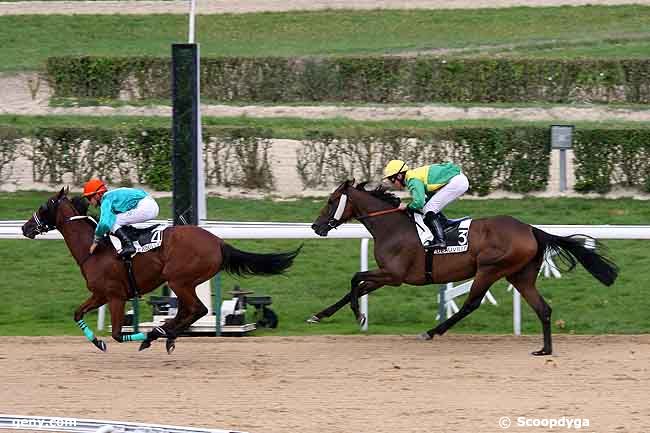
pixel 144 345
pixel 100 344
pixel 313 319
pixel 424 337
pixel 542 352
pixel 171 345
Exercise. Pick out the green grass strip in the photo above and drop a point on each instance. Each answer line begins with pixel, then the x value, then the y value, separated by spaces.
pixel 291 128
pixel 28 40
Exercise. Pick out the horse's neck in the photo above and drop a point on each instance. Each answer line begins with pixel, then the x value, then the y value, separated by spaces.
pixel 78 237
pixel 383 226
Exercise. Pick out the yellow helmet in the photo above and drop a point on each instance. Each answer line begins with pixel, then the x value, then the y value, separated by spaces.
pixel 395 166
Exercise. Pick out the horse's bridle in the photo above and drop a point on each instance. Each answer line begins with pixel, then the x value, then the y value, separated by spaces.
pixel 335 220
pixel 44 226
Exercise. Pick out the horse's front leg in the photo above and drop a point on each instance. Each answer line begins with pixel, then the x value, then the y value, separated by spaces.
pixel 368 281
pixel 95 301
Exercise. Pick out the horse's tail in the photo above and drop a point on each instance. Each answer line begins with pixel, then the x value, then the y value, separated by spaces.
pixel 244 263
pixel 572 248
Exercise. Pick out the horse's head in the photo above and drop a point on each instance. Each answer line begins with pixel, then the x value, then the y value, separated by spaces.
pixel 335 212
pixel 348 202
pixel 46 216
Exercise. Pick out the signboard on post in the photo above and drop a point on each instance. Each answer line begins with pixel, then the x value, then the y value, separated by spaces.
pixel 562 139
pixel 561 136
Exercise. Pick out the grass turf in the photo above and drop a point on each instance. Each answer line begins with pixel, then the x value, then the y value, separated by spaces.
pixel 595 31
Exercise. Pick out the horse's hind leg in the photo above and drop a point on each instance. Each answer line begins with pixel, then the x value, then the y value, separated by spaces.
pixel 480 286
pixel 327 312
pixel 193 311
pixel 117 319
pixel 524 282
pixel 167 329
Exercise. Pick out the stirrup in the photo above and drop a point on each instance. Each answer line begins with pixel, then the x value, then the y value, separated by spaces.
pixel 433 245
pixel 126 252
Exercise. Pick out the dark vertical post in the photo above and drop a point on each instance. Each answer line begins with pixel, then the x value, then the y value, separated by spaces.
pixel 185 133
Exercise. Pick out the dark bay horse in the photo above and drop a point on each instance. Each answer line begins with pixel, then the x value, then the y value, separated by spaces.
pixel 499 247
pixel 189 255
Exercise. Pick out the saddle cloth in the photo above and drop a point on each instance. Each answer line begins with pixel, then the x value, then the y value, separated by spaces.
pixel 456 233
pixel 145 239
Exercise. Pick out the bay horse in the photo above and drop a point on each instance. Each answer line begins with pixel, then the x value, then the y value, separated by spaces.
pixel 499 247
pixel 188 256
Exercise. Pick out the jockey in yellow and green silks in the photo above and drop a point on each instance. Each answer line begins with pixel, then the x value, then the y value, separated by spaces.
pixel 432 187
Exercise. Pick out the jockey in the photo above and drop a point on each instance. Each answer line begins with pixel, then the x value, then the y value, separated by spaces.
pixel 119 207
pixel 432 187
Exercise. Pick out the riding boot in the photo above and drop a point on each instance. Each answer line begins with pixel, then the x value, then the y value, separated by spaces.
pixel 431 219
pixel 127 245
pixel 443 220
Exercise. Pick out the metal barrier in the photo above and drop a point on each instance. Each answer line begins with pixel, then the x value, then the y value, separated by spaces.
pixel 266 230
pixel 81 425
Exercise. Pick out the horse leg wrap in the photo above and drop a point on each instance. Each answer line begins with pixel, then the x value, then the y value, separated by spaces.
pixel 157 332
pixel 133 337
pixel 86 330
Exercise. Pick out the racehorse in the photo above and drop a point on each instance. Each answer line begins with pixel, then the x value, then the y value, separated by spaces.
pixel 188 256
pixel 499 247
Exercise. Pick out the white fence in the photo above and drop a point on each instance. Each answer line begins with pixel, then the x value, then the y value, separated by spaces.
pixel 265 230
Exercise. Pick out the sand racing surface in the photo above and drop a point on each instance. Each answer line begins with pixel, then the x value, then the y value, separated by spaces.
pixel 327 384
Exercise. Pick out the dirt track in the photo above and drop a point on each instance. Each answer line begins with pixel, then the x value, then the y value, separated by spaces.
pixel 381 384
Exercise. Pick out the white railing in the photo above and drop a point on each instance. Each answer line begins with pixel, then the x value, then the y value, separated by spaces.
pixel 266 230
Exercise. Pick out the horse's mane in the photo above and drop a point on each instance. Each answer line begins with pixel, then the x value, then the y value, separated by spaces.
pixel 81 205
pixel 381 193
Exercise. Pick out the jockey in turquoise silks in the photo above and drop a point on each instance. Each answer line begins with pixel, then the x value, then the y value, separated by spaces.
pixel 432 187
pixel 119 207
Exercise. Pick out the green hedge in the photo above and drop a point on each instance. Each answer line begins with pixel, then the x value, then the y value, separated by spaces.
pixel 614 156
pixel 513 158
pixel 237 157
pixel 367 79
pixel 9 139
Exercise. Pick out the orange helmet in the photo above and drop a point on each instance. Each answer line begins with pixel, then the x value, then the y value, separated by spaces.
pixel 94 186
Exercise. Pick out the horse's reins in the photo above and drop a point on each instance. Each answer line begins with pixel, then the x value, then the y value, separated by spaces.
pixel 335 220
pixel 378 213
pixel 77 218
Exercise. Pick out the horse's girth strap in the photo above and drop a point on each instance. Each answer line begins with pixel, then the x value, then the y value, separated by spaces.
pixel 428 265
pixel 133 288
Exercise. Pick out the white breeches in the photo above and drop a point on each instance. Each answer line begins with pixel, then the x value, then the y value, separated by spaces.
pixel 456 187
pixel 147 209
